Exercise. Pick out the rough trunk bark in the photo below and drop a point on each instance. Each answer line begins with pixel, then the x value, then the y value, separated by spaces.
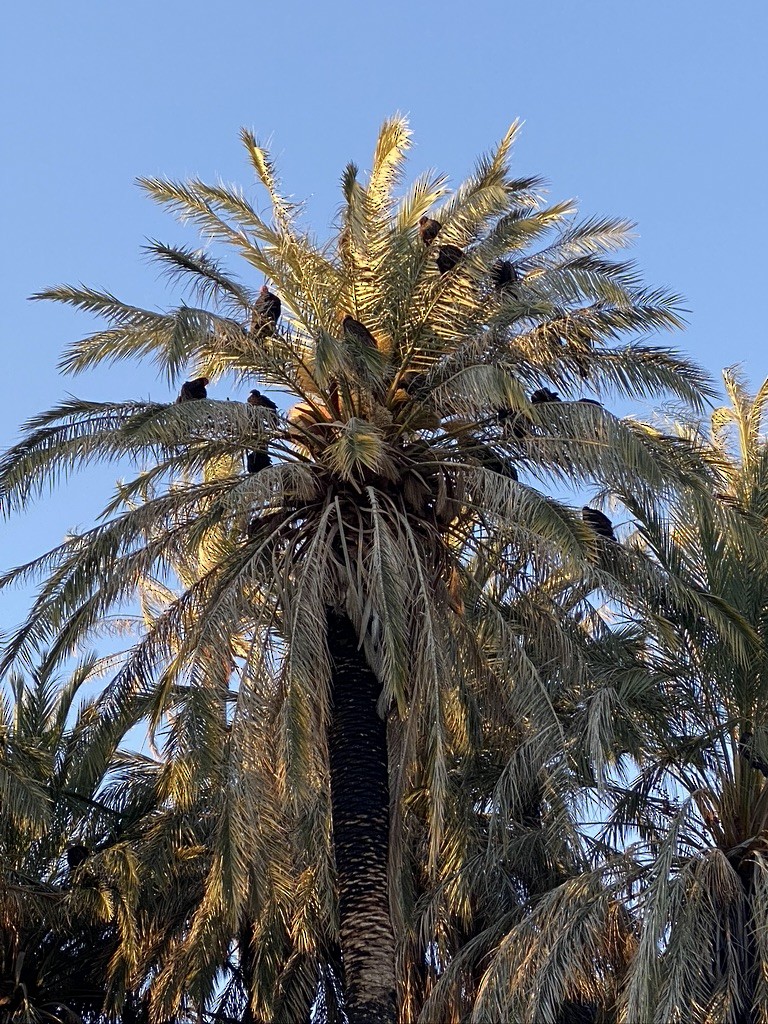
pixel 360 810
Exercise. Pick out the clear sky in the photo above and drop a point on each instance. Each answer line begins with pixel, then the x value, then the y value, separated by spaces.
pixel 652 109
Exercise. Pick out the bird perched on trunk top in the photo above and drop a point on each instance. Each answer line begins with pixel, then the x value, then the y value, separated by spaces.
pixel 192 390
pixel 429 229
pixel 600 523
pixel 267 307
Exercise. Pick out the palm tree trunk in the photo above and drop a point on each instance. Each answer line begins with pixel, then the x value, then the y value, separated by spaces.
pixel 751 962
pixel 360 811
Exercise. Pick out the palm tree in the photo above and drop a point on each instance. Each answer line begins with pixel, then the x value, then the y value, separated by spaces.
pixel 668 921
pixel 67 918
pixel 420 371
pixel 713 831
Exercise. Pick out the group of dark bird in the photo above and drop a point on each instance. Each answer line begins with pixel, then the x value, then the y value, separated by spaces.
pixel 266 313
pixel 446 256
pixel 196 390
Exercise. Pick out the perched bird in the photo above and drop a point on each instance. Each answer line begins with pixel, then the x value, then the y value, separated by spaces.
pixel 503 467
pixel 579 343
pixel 599 522
pixel 260 401
pixel 429 229
pixel 504 275
pixel 448 257
pixel 514 422
pixel 413 382
pixel 76 855
pixel 544 395
pixel 256 461
pixel 573 1011
pixel 356 332
pixel 752 759
pixel 267 306
pixel 192 390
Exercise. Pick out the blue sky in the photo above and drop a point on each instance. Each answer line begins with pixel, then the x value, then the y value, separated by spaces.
pixel 652 110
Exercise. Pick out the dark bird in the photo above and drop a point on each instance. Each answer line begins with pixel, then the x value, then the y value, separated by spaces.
pixel 260 401
pixel 600 523
pixel 752 759
pixel 429 229
pixel 448 257
pixel 589 401
pixel 413 382
pixel 503 467
pixel 256 461
pixel 356 332
pixel 192 390
pixel 76 855
pixel 504 275
pixel 514 422
pixel 543 396
pixel 267 306
pixel 572 1011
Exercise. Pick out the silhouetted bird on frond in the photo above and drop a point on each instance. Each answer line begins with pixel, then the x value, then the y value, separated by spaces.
pixel 448 257
pixel 498 464
pixel 515 422
pixel 544 396
pixel 260 401
pixel 598 522
pixel 77 854
pixel 504 275
pixel 429 229
pixel 257 460
pixel 193 390
pixel 267 306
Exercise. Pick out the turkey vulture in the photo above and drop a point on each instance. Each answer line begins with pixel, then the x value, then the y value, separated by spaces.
pixel 192 390
pixel 413 382
pixel 752 759
pixel 256 461
pixel 429 229
pixel 498 464
pixel 267 306
pixel 261 401
pixel 572 1011
pixel 76 854
pixel 448 257
pixel 600 523
pixel 514 421
pixel 357 332
pixel 544 395
pixel 504 274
